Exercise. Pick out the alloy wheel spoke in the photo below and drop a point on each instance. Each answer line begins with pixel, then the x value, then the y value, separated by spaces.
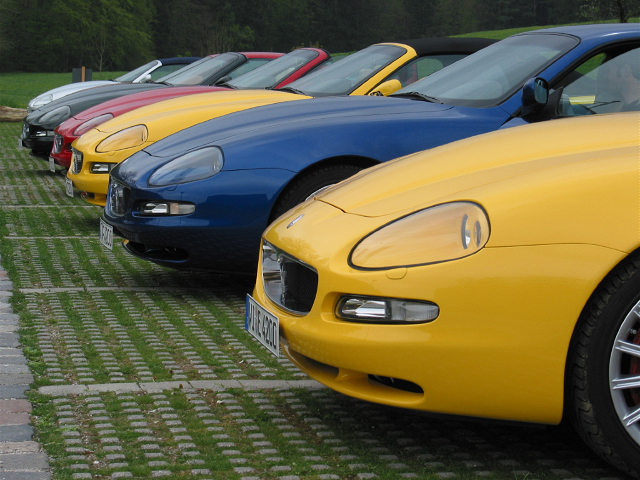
pixel 632 417
pixel 622 383
pixel 627 347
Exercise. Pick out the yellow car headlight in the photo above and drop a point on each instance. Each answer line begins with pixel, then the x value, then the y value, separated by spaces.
pixel 127 138
pixel 436 234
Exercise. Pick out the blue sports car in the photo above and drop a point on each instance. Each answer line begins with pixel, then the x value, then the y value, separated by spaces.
pixel 201 197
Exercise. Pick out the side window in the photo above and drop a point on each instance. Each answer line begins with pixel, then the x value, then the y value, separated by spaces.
pixel 422 67
pixel 248 66
pixel 164 70
pixel 606 82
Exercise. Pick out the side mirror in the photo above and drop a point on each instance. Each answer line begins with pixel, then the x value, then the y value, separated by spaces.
pixel 146 78
pixel 535 95
pixel 386 88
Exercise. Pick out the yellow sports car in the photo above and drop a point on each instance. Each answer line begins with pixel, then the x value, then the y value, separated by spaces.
pixel 381 69
pixel 497 276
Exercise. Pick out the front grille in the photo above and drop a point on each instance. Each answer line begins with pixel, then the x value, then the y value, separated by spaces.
pixel 287 281
pixel 57 143
pixel 299 285
pixel 118 199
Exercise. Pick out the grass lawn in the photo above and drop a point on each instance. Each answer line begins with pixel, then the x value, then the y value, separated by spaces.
pixel 16 89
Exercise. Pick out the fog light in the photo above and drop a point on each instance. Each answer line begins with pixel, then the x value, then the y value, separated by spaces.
pixel 101 167
pixel 386 310
pixel 167 208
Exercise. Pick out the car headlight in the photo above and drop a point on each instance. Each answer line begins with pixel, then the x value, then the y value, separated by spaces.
pixel 127 138
pixel 92 123
pixel 436 234
pixel 192 166
pixel 40 101
pixel 56 116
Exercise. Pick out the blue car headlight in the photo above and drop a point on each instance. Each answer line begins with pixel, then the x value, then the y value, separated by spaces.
pixel 56 116
pixel 195 165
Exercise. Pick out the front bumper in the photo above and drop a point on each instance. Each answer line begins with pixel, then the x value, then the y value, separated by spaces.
pixel 61 150
pixel 39 140
pixel 497 350
pixel 223 234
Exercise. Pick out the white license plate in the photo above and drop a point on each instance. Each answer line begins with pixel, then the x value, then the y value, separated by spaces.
pixel 263 325
pixel 106 234
pixel 68 187
pixel 52 165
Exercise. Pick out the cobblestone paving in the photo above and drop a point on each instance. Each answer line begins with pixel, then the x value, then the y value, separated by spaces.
pixel 145 372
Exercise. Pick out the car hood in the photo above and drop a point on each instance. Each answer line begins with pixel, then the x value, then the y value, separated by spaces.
pixel 471 165
pixel 548 183
pixel 242 126
pixel 76 102
pixel 59 92
pixel 184 111
pixel 119 105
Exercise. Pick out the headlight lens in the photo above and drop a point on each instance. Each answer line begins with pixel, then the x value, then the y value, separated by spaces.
pixel 385 310
pixel 127 138
pixel 192 166
pixel 40 101
pixel 91 123
pixel 436 234
pixel 56 116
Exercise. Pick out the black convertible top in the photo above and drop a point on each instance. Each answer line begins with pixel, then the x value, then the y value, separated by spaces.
pixel 425 46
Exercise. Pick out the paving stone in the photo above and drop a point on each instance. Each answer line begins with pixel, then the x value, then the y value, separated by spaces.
pixel 16 433
pixel 160 473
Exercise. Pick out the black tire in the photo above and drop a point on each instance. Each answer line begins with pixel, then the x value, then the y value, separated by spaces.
pixel 310 182
pixel 594 405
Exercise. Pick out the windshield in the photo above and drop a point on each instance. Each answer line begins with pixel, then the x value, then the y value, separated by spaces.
pixel 271 74
pixel 199 71
pixel 494 73
pixel 133 74
pixel 348 73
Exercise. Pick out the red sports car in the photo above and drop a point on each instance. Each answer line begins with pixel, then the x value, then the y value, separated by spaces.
pixel 274 74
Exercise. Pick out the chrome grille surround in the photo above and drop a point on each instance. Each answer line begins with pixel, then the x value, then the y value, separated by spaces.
pixel 117 199
pixel 57 143
pixel 76 161
pixel 288 282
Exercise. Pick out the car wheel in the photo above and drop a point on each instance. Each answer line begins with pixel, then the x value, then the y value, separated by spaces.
pixel 310 183
pixel 604 371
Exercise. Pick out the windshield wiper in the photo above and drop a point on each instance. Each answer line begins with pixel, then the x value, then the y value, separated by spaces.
pixel 292 90
pixel 419 95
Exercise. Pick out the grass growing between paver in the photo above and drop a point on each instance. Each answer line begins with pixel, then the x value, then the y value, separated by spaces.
pixel 93 338
pixel 272 434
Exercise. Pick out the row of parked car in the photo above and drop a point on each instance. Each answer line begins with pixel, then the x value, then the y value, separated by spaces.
pixel 497 275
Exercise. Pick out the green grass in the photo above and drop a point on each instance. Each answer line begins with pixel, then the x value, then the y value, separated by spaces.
pixel 16 89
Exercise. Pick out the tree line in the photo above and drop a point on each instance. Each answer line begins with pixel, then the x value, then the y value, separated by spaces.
pixel 57 35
